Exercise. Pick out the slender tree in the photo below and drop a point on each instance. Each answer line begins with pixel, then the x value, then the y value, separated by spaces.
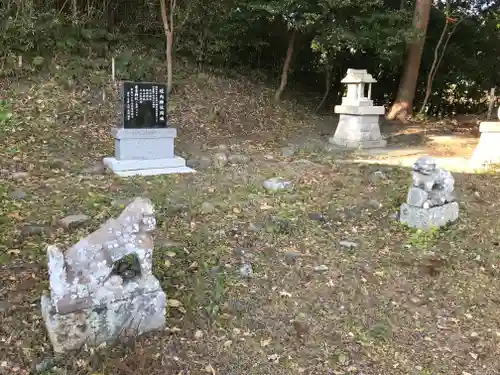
pixel 403 104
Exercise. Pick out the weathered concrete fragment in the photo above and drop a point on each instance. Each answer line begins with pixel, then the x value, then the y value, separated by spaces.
pixel 95 297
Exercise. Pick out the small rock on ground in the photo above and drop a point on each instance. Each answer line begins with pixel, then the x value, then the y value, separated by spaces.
pixel 246 271
pixel 287 151
pixel 348 244
pixel 379 175
pixel 291 257
pixel 239 159
pixel 220 159
pixel 44 365
pixel 33 230
pixel 207 208
pixel 18 194
pixel 20 175
pixel 321 268
pixel 316 216
pixel 73 221
pixel 277 183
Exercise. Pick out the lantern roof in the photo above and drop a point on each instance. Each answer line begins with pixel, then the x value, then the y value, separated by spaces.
pixel 358 76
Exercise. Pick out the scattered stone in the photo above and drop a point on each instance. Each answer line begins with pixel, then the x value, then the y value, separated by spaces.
pixel 290 257
pixel 277 183
pixel 20 175
pixel 379 175
pixel 104 283
pixel 239 159
pixel 431 201
pixel 287 152
pixel 34 229
pixel 207 208
pixel 348 244
pixel 246 271
pixel 73 221
pixel 97 168
pixel 321 268
pixel 220 159
pixel 374 203
pixel 316 216
pixel 253 228
pixel 44 365
pixel 223 148
pixel 18 194
pixel 198 335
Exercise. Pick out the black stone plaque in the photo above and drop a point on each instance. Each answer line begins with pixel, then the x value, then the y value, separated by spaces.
pixel 144 105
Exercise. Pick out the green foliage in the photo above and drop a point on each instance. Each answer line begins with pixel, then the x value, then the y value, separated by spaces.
pixel 423 239
pixel 331 35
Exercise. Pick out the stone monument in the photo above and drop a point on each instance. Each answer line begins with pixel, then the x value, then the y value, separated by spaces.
pixel 431 201
pixel 144 145
pixel 358 125
pixel 96 296
pixel 488 150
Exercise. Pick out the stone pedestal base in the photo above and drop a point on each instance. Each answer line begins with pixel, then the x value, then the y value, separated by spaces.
pixel 426 218
pixel 128 168
pixel 488 149
pixel 145 152
pixel 103 323
pixel 359 128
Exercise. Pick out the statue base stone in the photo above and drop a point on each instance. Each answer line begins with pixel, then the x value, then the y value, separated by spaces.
pixel 105 323
pixel 427 218
pixel 358 127
pixel 145 152
pixel 487 151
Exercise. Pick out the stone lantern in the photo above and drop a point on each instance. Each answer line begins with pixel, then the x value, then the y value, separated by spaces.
pixel 358 125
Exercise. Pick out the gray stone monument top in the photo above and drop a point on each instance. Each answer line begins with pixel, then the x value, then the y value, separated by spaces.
pixel 91 287
pixel 431 201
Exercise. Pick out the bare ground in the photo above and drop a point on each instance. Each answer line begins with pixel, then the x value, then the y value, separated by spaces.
pixel 400 302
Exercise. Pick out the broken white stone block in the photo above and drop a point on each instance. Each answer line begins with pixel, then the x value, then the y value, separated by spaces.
pixel 95 297
pixel 277 183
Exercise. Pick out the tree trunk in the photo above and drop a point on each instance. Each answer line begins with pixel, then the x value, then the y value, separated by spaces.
pixel 328 85
pixel 170 44
pixel 404 101
pixel 168 26
pixel 438 57
pixel 74 8
pixel 286 68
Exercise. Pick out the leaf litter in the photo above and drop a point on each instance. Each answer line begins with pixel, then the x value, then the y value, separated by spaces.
pixel 399 303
